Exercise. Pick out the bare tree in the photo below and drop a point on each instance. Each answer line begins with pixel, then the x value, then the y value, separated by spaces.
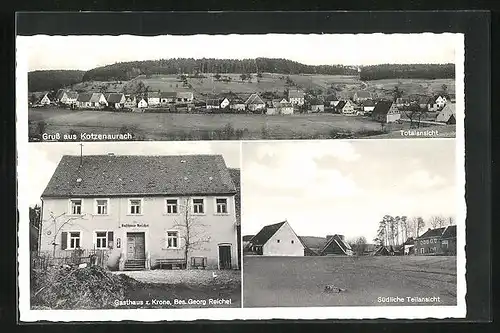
pixel 360 245
pixel 404 228
pixel 192 231
pixel 451 220
pixel 437 221
pixel 418 225
pixel 58 223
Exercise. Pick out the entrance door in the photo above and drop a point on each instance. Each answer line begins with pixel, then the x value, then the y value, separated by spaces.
pixel 225 256
pixel 135 245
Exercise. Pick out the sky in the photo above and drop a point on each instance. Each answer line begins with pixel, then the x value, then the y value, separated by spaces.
pixel 87 52
pixel 345 187
pixel 44 157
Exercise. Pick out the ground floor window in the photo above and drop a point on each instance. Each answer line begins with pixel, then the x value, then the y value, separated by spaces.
pixel 172 239
pixel 422 251
pixel 74 240
pixel 101 239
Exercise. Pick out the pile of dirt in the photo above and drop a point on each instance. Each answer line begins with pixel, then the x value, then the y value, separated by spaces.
pixel 78 288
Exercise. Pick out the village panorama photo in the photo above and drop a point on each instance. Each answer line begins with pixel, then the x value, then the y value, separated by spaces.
pixel 352 223
pixel 311 86
pixel 133 226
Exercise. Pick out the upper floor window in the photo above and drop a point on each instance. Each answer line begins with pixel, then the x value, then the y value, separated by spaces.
pixel 172 206
pixel 76 206
pixel 102 206
pixel 135 206
pixel 221 206
pixel 198 206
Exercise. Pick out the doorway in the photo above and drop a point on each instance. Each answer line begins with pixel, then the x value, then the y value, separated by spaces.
pixel 225 256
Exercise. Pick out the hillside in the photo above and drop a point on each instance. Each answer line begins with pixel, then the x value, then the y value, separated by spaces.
pixel 53 79
pixel 408 71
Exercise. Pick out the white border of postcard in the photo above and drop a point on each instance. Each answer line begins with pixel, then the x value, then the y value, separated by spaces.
pixel 148 315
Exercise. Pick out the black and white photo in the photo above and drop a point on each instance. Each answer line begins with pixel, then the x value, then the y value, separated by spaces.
pixel 237 87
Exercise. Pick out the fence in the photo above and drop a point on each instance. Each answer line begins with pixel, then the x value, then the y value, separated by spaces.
pixel 43 260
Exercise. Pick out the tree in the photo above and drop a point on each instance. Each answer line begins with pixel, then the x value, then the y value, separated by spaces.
pixel 217 77
pixel 140 88
pixel 414 113
pixel 397 93
pixel 57 223
pixel 243 76
pixel 33 98
pixel 444 89
pixel 451 220
pixel 360 245
pixel 437 221
pixel 191 230
pixel 418 224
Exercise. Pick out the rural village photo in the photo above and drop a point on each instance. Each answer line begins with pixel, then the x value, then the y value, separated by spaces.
pixel 134 225
pixel 350 223
pixel 237 87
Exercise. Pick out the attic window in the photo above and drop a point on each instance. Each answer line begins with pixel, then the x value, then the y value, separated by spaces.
pixel 78 180
pixel 277 240
pixel 183 161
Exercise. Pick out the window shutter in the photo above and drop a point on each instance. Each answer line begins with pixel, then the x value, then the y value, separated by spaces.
pixel 110 239
pixel 64 240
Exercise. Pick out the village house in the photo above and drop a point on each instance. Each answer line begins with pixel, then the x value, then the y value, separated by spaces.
pixel 237 104
pixel 277 239
pixel 336 245
pixel 402 102
pixel 142 103
pixel 168 97
pixel 115 100
pixel 386 112
pixel 83 100
pixel 439 241
pixel 360 96
pixel 331 101
pixel 153 99
pixel 130 102
pixel 296 97
pixel 66 97
pixel 440 101
pixel 184 97
pixel 447 114
pixel 345 107
pixel 315 105
pixel 98 101
pixel 279 107
pixel 141 210
pixel 368 106
pixel 45 100
pixel 409 246
pixel 255 103
pixel 451 98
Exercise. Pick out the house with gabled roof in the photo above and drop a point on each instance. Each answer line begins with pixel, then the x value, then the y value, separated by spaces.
pixel 135 208
pixel 167 97
pixel 438 241
pixel 98 101
pixel 153 99
pixel 277 239
pixel 336 245
pixel 130 102
pixel 296 97
pixel 255 103
pixel 331 100
pixel 184 97
pixel 236 103
pixel 447 114
pixel 45 100
pixel 386 112
pixel 115 100
pixel 66 97
pixel 83 100
pixel 345 107
pixel 316 105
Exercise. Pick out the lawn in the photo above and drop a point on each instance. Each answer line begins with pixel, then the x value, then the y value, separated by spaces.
pixel 174 126
pixel 301 281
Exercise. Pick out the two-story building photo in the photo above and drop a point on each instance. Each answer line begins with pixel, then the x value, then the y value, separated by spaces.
pixel 144 211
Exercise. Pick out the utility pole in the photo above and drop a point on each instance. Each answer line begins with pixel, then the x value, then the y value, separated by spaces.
pixel 81 154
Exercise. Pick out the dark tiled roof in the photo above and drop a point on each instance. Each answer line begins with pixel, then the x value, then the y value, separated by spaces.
pixel 265 233
pixel 84 97
pixel 105 175
pixel 214 102
pixel 235 176
pixel 72 94
pixel 247 238
pixel 382 107
pixel 153 94
pixel 254 99
pixel 60 93
pixel 340 105
pixel 168 94
pixel 344 246
pixel 450 232
pixel 185 94
pixel 433 233
pixel 331 98
pixel 114 97
pixel 295 94
pixel 95 97
pixel 363 94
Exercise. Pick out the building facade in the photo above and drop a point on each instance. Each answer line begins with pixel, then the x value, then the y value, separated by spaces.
pixel 150 208
pixel 439 241
pixel 277 239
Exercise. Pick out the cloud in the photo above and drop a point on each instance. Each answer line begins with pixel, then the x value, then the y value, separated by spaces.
pixel 422 179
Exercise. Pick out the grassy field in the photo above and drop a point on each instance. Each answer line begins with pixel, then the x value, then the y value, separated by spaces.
pixel 301 281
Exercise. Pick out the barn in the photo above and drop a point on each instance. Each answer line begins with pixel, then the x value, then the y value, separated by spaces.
pixel 277 239
pixel 336 245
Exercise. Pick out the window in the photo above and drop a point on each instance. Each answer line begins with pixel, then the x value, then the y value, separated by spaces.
pixel 277 240
pixel 198 206
pixel 292 241
pixel 135 206
pixel 445 243
pixel 101 239
pixel 172 239
pixel 422 250
pixel 74 240
pixel 221 205
pixel 102 206
pixel 172 206
pixel 76 206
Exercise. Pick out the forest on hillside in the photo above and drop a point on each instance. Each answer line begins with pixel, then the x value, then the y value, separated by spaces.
pixel 408 71
pixel 129 70
pixel 53 79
